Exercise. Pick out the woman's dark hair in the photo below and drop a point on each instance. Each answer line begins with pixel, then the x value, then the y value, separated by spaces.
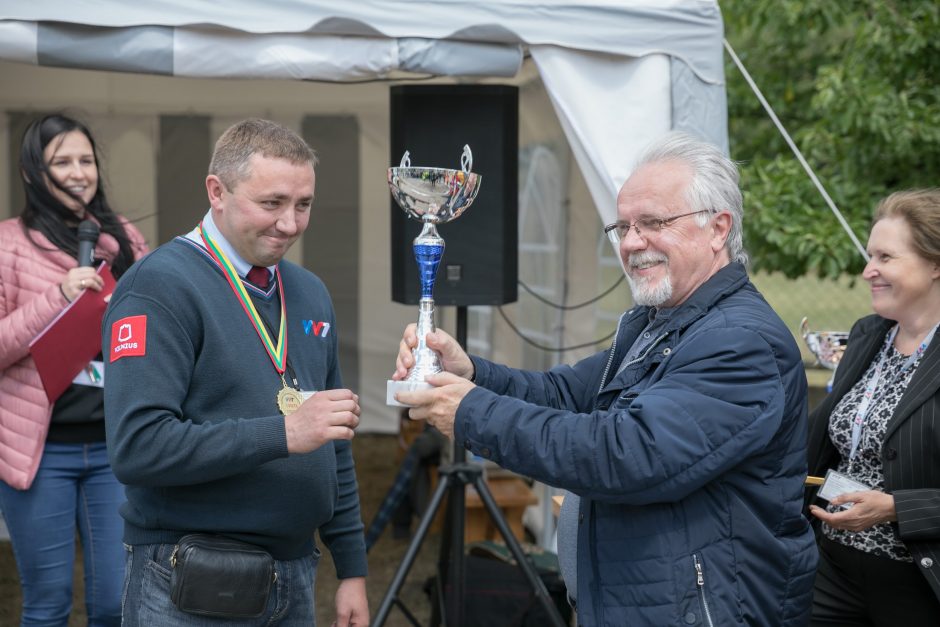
pixel 45 213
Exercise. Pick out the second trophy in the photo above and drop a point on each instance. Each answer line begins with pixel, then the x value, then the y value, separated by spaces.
pixel 433 196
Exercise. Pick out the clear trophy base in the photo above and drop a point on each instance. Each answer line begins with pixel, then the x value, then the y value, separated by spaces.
pixel 394 387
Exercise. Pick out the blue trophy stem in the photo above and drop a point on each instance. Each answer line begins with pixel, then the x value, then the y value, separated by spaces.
pixel 429 250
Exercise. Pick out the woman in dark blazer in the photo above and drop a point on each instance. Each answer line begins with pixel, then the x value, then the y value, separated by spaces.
pixel 880 426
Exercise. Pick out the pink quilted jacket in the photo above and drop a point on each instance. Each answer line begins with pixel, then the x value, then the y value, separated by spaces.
pixel 29 299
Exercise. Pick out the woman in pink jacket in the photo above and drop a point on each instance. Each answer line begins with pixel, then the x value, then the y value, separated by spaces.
pixel 53 461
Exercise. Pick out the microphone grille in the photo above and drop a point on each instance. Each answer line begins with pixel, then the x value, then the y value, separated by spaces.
pixel 88 231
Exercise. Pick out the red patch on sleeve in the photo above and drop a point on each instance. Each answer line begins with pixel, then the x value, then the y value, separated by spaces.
pixel 129 337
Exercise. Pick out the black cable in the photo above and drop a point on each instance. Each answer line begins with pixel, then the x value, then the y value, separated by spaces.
pixel 578 306
pixel 549 348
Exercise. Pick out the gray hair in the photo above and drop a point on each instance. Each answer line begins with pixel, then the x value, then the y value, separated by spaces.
pixel 714 184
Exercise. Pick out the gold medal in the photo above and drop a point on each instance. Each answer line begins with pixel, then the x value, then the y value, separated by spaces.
pixel 288 399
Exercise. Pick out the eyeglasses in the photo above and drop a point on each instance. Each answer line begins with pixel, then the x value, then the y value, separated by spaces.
pixel 645 227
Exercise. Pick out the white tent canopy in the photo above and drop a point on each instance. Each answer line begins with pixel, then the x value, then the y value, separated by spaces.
pixel 617 73
pixel 589 54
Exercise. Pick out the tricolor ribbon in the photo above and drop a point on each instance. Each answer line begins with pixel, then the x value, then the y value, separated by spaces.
pixel 277 353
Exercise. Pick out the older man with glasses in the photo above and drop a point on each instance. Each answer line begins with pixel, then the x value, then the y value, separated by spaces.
pixel 683 445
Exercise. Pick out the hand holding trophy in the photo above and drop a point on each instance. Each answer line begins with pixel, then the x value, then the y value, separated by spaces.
pixel 433 196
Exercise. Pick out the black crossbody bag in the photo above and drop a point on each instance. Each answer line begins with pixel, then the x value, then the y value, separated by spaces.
pixel 220 577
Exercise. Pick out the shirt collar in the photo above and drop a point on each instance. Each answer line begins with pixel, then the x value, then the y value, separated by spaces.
pixel 660 314
pixel 208 224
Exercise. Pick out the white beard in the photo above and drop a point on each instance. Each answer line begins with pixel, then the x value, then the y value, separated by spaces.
pixel 644 294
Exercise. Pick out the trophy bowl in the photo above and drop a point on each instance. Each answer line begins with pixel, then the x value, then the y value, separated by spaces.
pixel 437 193
pixel 827 346
pixel 432 196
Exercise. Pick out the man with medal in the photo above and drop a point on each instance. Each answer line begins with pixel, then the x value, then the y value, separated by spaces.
pixel 226 419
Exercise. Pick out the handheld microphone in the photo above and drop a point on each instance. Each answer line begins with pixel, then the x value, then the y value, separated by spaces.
pixel 87 237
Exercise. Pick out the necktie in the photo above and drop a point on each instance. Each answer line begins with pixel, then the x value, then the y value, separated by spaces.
pixel 259 276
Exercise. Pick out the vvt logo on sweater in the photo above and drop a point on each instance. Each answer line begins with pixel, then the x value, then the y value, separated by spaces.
pixel 129 337
pixel 321 329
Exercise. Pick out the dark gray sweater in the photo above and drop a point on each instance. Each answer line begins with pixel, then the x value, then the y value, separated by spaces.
pixel 193 427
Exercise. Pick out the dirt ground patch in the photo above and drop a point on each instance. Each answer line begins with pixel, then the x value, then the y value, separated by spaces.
pixel 376 466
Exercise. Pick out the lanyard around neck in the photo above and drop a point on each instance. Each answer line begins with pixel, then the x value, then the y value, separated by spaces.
pixel 278 352
pixel 864 405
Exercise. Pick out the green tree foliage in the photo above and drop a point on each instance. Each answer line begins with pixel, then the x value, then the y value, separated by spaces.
pixel 857 84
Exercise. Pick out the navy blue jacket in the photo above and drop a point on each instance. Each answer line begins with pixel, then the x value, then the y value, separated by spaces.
pixel 689 463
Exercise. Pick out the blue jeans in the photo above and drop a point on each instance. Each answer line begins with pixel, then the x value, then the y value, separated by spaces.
pixel 147 593
pixel 74 488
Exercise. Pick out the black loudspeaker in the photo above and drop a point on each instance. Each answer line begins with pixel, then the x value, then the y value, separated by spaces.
pixel 433 122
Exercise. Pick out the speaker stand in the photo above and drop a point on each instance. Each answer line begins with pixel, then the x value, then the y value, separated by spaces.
pixel 453 482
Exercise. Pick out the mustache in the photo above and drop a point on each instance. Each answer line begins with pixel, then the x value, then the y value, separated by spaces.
pixel 646 257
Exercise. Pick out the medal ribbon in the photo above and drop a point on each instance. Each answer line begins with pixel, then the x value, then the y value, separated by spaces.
pixel 278 353
pixel 864 405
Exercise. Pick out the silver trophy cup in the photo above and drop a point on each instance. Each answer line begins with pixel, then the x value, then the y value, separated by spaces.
pixel 433 196
pixel 827 346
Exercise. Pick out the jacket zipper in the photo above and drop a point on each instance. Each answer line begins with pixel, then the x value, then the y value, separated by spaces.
pixel 610 360
pixel 632 361
pixel 647 351
pixel 175 553
pixel 700 582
